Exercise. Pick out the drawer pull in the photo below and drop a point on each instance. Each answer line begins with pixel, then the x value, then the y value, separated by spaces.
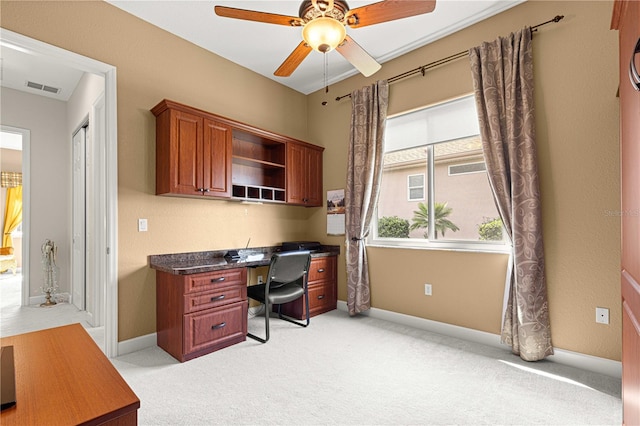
pixel 217 280
pixel 320 297
pixel 213 299
pixel 321 270
pixel 217 326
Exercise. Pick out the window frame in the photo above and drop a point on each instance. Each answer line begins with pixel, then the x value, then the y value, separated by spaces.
pixel 409 187
pixel 431 243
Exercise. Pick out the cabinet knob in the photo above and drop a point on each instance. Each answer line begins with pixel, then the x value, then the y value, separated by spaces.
pixel 320 297
pixel 217 326
pixel 321 270
pixel 213 299
pixel 217 280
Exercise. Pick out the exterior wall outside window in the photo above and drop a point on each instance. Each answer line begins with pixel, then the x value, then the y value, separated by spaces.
pixel 468 195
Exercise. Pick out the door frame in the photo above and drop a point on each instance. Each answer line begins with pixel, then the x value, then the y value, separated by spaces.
pixel 78 221
pixel 106 236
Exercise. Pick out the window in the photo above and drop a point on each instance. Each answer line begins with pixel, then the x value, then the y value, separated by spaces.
pixel 415 187
pixel 437 153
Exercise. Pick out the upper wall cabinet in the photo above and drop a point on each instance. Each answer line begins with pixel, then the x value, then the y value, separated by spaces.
pixel 202 154
pixel 193 152
pixel 304 174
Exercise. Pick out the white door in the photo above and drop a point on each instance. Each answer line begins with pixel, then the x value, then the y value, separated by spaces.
pixel 78 262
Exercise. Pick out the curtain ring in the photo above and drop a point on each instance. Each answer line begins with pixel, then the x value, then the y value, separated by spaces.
pixel 633 70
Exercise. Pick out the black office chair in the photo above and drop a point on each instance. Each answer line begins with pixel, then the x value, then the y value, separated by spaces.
pixel 286 282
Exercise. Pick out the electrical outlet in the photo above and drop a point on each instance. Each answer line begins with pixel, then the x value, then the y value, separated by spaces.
pixel 427 290
pixel 142 225
pixel 260 279
pixel 602 315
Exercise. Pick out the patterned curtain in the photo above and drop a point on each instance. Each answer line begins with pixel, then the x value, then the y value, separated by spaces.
pixel 364 172
pixel 503 83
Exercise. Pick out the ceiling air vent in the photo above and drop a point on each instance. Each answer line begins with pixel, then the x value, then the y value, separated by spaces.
pixel 43 87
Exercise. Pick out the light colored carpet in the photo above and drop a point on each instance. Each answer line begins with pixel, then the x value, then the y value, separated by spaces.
pixel 364 371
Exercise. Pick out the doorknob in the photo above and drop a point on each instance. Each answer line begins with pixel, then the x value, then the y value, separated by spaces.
pixel 633 70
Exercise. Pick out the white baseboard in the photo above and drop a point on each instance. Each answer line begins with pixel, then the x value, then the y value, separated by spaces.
pixel 137 344
pixel 561 356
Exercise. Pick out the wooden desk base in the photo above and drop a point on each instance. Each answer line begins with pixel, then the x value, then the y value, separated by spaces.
pixel 63 378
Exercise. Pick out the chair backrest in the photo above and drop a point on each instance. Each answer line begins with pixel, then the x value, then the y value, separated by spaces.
pixel 289 266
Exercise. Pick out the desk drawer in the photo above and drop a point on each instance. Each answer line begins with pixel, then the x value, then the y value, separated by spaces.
pixel 218 297
pixel 321 298
pixel 214 280
pixel 215 327
pixel 322 269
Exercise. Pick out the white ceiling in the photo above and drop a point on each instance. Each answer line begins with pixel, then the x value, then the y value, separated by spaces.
pixel 263 47
pixel 257 46
pixel 18 67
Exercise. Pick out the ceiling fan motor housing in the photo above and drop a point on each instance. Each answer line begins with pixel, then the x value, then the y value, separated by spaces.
pixel 308 12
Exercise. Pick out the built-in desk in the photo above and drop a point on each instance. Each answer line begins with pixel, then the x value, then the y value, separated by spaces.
pixel 63 378
pixel 201 297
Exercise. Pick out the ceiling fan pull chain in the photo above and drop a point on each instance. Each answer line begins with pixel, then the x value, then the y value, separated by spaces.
pixel 326 73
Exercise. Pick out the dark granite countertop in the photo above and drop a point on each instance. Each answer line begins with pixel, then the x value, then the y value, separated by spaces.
pixel 209 261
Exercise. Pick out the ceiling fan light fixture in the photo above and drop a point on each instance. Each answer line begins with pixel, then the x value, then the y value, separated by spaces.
pixel 324 34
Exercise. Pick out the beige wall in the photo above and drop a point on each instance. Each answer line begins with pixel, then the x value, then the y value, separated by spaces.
pixel 577 130
pixel 578 156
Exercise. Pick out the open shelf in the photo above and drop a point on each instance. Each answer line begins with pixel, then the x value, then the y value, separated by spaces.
pixel 258 193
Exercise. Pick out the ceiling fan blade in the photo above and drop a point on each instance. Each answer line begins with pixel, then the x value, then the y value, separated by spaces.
pixel 295 58
pixel 252 15
pixel 388 10
pixel 358 57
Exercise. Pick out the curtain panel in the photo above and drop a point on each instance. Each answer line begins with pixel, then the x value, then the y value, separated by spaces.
pixel 503 83
pixel 364 172
pixel 12 214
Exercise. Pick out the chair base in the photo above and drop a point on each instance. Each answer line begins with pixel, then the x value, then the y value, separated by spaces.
pixel 282 317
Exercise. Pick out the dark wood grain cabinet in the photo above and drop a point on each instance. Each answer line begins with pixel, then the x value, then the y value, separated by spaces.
pixel 193 153
pixel 323 289
pixel 200 313
pixel 202 154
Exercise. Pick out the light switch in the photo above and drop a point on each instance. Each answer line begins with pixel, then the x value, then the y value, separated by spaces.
pixel 142 225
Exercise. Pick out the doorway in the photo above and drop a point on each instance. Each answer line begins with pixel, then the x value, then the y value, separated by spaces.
pixel 104 218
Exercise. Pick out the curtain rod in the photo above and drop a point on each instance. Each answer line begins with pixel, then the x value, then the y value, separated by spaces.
pixel 443 61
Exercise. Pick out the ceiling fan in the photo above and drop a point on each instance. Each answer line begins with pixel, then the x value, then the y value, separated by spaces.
pixel 323 25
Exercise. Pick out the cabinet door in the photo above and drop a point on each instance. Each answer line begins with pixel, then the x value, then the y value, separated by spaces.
pixel 216 159
pixel 314 178
pixel 304 175
pixel 295 173
pixel 185 164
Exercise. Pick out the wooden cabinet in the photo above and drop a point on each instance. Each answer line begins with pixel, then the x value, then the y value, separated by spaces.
pixel 304 174
pixel 626 19
pixel 200 313
pixel 323 289
pixel 193 152
pixel 63 378
pixel 202 154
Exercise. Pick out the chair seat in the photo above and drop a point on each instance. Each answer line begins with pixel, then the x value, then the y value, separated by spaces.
pixel 277 295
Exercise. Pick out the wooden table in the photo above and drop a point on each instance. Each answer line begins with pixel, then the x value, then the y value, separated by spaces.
pixel 63 378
